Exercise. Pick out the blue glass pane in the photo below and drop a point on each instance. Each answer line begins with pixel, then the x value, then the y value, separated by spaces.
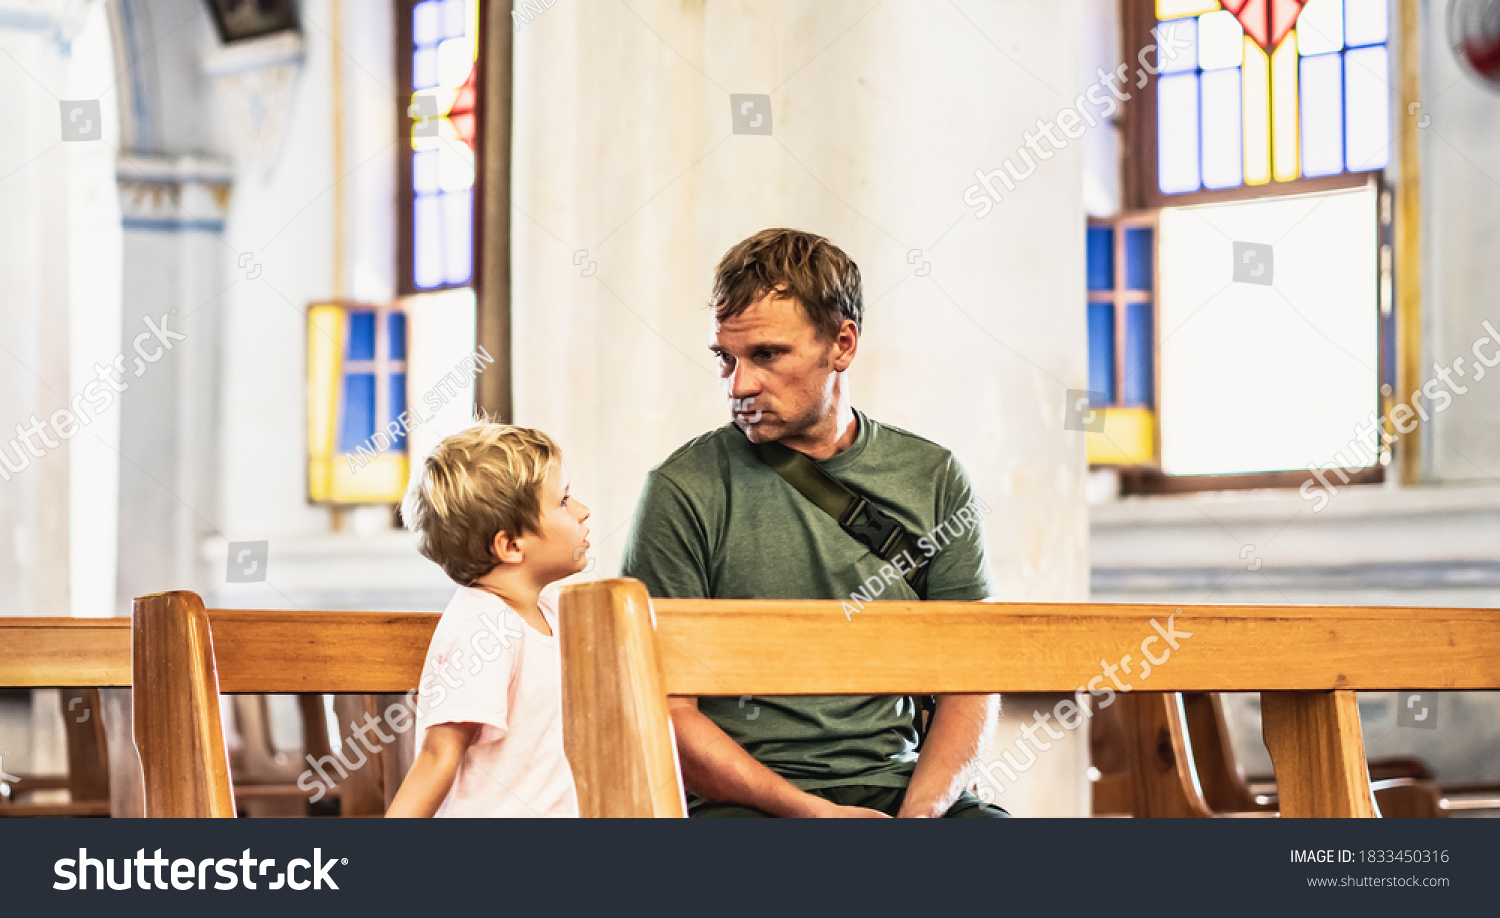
pixel 1367 112
pixel 398 405
pixel 1102 350
pixel 1221 129
pixel 1186 56
pixel 1366 22
pixel 396 328
pixel 1322 84
pixel 361 336
pixel 1140 369
pixel 454 20
pixel 427 242
pixel 424 68
pixel 424 171
pixel 458 223
pixel 1101 258
pixel 425 28
pixel 1140 258
pixel 1177 133
pixel 359 411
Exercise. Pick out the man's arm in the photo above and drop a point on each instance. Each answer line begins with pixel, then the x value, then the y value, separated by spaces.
pixel 716 767
pixel 961 730
pixel 431 775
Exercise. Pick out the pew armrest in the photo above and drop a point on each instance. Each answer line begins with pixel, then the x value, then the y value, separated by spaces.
pixel 176 694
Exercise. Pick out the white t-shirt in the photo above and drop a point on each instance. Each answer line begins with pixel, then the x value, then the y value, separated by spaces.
pixel 485 665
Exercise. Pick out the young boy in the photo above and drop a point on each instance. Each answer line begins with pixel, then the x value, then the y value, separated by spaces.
pixel 491 507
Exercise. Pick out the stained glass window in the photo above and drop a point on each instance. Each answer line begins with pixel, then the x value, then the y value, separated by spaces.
pixel 357 411
pixel 1122 338
pixel 1271 90
pixel 444 54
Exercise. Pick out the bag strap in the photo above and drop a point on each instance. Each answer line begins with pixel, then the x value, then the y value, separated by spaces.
pixel 883 535
pixel 856 515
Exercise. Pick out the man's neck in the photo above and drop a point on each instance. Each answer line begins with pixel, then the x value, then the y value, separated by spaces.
pixel 830 437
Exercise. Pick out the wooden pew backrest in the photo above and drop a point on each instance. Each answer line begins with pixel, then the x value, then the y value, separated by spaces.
pixel 1306 660
pixel 79 656
pixel 65 652
pixel 185 656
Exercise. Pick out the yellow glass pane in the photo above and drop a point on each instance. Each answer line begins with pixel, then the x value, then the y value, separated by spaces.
pixel 1128 438
pixel 1285 140
pixel 325 347
pixel 446 133
pixel 1256 81
pixel 379 480
pixel 1174 9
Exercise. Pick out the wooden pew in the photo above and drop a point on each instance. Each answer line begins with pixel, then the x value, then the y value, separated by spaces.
pixel 79 656
pixel 623 655
pixel 1169 754
pixel 186 656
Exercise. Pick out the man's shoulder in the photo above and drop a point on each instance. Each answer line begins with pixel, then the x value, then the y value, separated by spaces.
pixel 701 460
pixel 912 448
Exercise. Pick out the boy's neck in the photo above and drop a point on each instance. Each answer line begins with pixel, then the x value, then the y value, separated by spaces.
pixel 513 588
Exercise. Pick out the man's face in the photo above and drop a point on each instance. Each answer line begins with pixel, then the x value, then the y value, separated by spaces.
pixel 779 375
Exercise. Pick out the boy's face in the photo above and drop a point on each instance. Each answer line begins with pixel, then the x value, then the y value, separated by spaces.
pixel 556 550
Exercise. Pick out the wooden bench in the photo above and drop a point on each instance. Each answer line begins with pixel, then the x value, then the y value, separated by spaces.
pixel 623 655
pixel 185 657
pixel 79 656
pixel 1201 777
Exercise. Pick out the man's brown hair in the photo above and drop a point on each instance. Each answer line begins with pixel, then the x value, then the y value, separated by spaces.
pixel 791 263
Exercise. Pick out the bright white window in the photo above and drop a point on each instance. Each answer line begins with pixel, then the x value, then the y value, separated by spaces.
pixel 1258 377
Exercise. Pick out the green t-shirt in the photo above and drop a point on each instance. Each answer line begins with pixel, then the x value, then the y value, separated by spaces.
pixel 716 522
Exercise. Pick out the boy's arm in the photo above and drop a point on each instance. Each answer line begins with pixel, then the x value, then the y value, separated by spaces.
pixel 431 775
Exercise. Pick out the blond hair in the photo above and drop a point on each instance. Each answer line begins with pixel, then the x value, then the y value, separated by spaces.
pixel 475 484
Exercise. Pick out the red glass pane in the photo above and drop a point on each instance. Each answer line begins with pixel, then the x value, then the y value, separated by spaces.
pixel 462 112
pixel 1267 22
pixel 1284 15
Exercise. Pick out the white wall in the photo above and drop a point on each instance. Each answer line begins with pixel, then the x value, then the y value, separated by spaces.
pixel 881 115
pixel 1460 236
pixel 60 258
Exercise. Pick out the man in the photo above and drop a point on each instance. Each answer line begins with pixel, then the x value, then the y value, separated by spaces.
pixel 716 521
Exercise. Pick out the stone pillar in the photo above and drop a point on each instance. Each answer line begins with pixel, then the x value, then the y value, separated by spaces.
pixel 630 181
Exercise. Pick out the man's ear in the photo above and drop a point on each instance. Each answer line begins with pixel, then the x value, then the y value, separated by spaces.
pixel 845 345
pixel 506 549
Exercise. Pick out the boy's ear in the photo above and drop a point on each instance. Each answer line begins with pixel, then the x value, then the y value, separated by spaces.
pixel 506 549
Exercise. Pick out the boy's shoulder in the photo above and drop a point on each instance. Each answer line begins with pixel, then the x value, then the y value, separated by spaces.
pixel 472 611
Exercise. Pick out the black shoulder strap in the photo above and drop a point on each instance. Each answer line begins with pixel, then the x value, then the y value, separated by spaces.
pixel 883 535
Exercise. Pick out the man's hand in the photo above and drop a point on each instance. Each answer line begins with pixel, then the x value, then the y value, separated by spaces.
pixel 957 738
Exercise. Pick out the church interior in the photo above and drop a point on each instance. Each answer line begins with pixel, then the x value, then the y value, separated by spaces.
pixel 1196 290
